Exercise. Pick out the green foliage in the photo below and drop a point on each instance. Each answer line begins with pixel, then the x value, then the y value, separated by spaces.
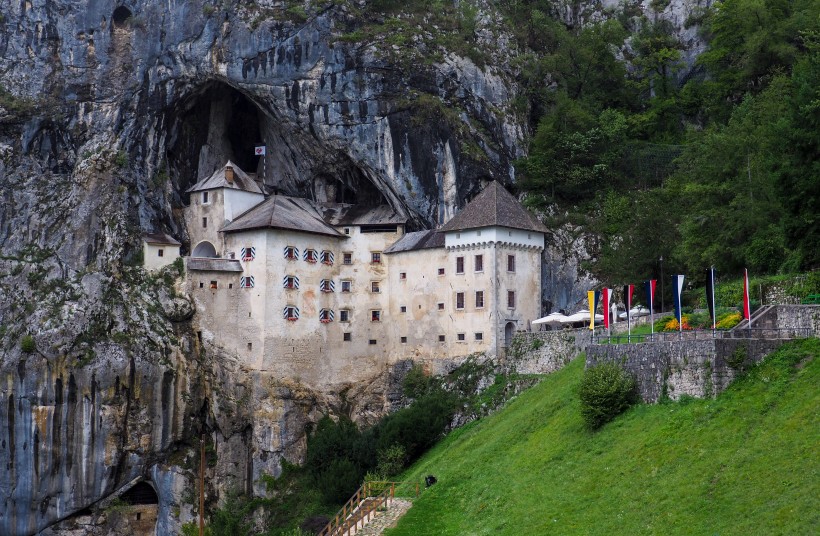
pixel 338 456
pixel 417 427
pixel 121 159
pixel 417 383
pixel 391 460
pixel 736 464
pixel 606 391
pixel 27 344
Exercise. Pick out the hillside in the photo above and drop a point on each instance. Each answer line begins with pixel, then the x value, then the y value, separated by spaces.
pixel 745 463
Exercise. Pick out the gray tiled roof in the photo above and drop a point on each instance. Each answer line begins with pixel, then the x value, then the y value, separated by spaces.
pixel 343 214
pixel 416 241
pixel 205 264
pixel 160 238
pixel 241 181
pixel 283 212
pixel 494 206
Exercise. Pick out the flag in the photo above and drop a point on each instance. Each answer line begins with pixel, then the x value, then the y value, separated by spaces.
pixel 710 295
pixel 649 290
pixel 259 150
pixel 747 310
pixel 591 298
pixel 629 290
pixel 677 289
pixel 607 296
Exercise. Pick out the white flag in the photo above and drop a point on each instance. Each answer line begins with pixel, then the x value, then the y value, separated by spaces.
pixel 259 150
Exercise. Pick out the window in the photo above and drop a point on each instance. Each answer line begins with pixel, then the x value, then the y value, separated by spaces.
pixel 347 230
pixel 347 258
pixel 374 287
pixel 160 253
pixel 214 284
pixel 511 299
pixel 291 312
pixel 404 340
pixel 327 285
pixel 204 198
pixel 440 306
pixel 344 315
pixel 441 271
pixel 372 341
pixel 247 282
pixel 291 253
pixel 346 286
pixel 248 253
pixel 230 285
pixel 479 299
pixel 459 265
pixel 459 300
pixel 204 223
pixel 461 337
pixel 325 316
pixel 290 282
pixel 403 309
pixel 347 337
pixel 479 263
pixel 250 346
pixel 441 338
pixel 326 257
pixel 201 284
pixel 478 233
pixel 375 257
pixel 311 256
pixel 376 316
pixel 510 263
pixel 403 276
pixel 479 336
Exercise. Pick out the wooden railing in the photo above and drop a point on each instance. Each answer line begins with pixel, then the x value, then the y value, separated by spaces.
pixel 361 508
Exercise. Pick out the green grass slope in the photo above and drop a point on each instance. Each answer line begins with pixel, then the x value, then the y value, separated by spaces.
pixel 745 463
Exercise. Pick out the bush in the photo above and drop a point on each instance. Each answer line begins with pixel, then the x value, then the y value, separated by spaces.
pixel 417 427
pixel 27 344
pixel 416 383
pixel 606 391
pixel 391 460
pixel 338 456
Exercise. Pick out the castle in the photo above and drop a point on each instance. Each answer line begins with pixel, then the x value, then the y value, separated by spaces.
pixel 326 292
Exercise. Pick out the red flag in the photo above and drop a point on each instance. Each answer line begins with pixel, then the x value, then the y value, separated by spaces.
pixel 747 310
pixel 605 303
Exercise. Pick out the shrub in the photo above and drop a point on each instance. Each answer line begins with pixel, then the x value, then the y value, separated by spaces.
pixel 391 460
pixel 27 344
pixel 417 427
pixel 606 391
pixel 416 383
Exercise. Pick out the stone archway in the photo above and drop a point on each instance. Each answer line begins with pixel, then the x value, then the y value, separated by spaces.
pixel 509 331
pixel 204 249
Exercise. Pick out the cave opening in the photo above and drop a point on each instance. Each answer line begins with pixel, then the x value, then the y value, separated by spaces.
pixel 121 16
pixel 216 124
pixel 141 493
pixel 347 184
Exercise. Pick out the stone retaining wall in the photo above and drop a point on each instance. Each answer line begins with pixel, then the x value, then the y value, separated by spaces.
pixel 542 352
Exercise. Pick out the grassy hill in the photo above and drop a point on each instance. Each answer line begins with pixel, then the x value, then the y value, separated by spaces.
pixel 745 463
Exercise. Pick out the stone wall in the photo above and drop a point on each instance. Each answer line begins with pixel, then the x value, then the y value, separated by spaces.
pixel 543 352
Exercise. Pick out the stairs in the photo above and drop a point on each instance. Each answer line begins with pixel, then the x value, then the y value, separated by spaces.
pixel 760 319
pixel 361 508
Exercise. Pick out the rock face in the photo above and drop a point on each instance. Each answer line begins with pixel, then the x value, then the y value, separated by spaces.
pixel 108 112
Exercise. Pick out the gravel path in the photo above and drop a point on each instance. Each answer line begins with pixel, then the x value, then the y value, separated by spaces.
pixel 386 519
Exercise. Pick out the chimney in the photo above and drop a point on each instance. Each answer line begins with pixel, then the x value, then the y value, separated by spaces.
pixel 229 174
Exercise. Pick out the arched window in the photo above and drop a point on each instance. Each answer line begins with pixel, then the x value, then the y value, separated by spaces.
pixel 204 249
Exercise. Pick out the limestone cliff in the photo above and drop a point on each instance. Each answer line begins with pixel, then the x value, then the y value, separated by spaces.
pixel 109 110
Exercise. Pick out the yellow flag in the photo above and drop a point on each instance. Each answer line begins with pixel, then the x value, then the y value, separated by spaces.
pixel 591 298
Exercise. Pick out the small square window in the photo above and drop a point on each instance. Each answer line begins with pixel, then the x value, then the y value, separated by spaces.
pixel 375 316
pixel 230 285
pixel 461 337
pixel 311 256
pixel 214 284
pixel 404 340
pixel 459 300
pixel 403 276
pixel 344 315
pixel 441 338
pixel 347 337
pixel 346 285
pixel 479 336
pixel 201 284
pixel 441 271
pixel 440 306
pixel 347 230
pixel 479 263
pixel 204 223
pixel 371 341
pixel 291 253
pixel 511 299
pixel 459 265
pixel 511 263
pixel 374 287
pixel 403 309
pixel 375 257
pixel 160 253
pixel 347 258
